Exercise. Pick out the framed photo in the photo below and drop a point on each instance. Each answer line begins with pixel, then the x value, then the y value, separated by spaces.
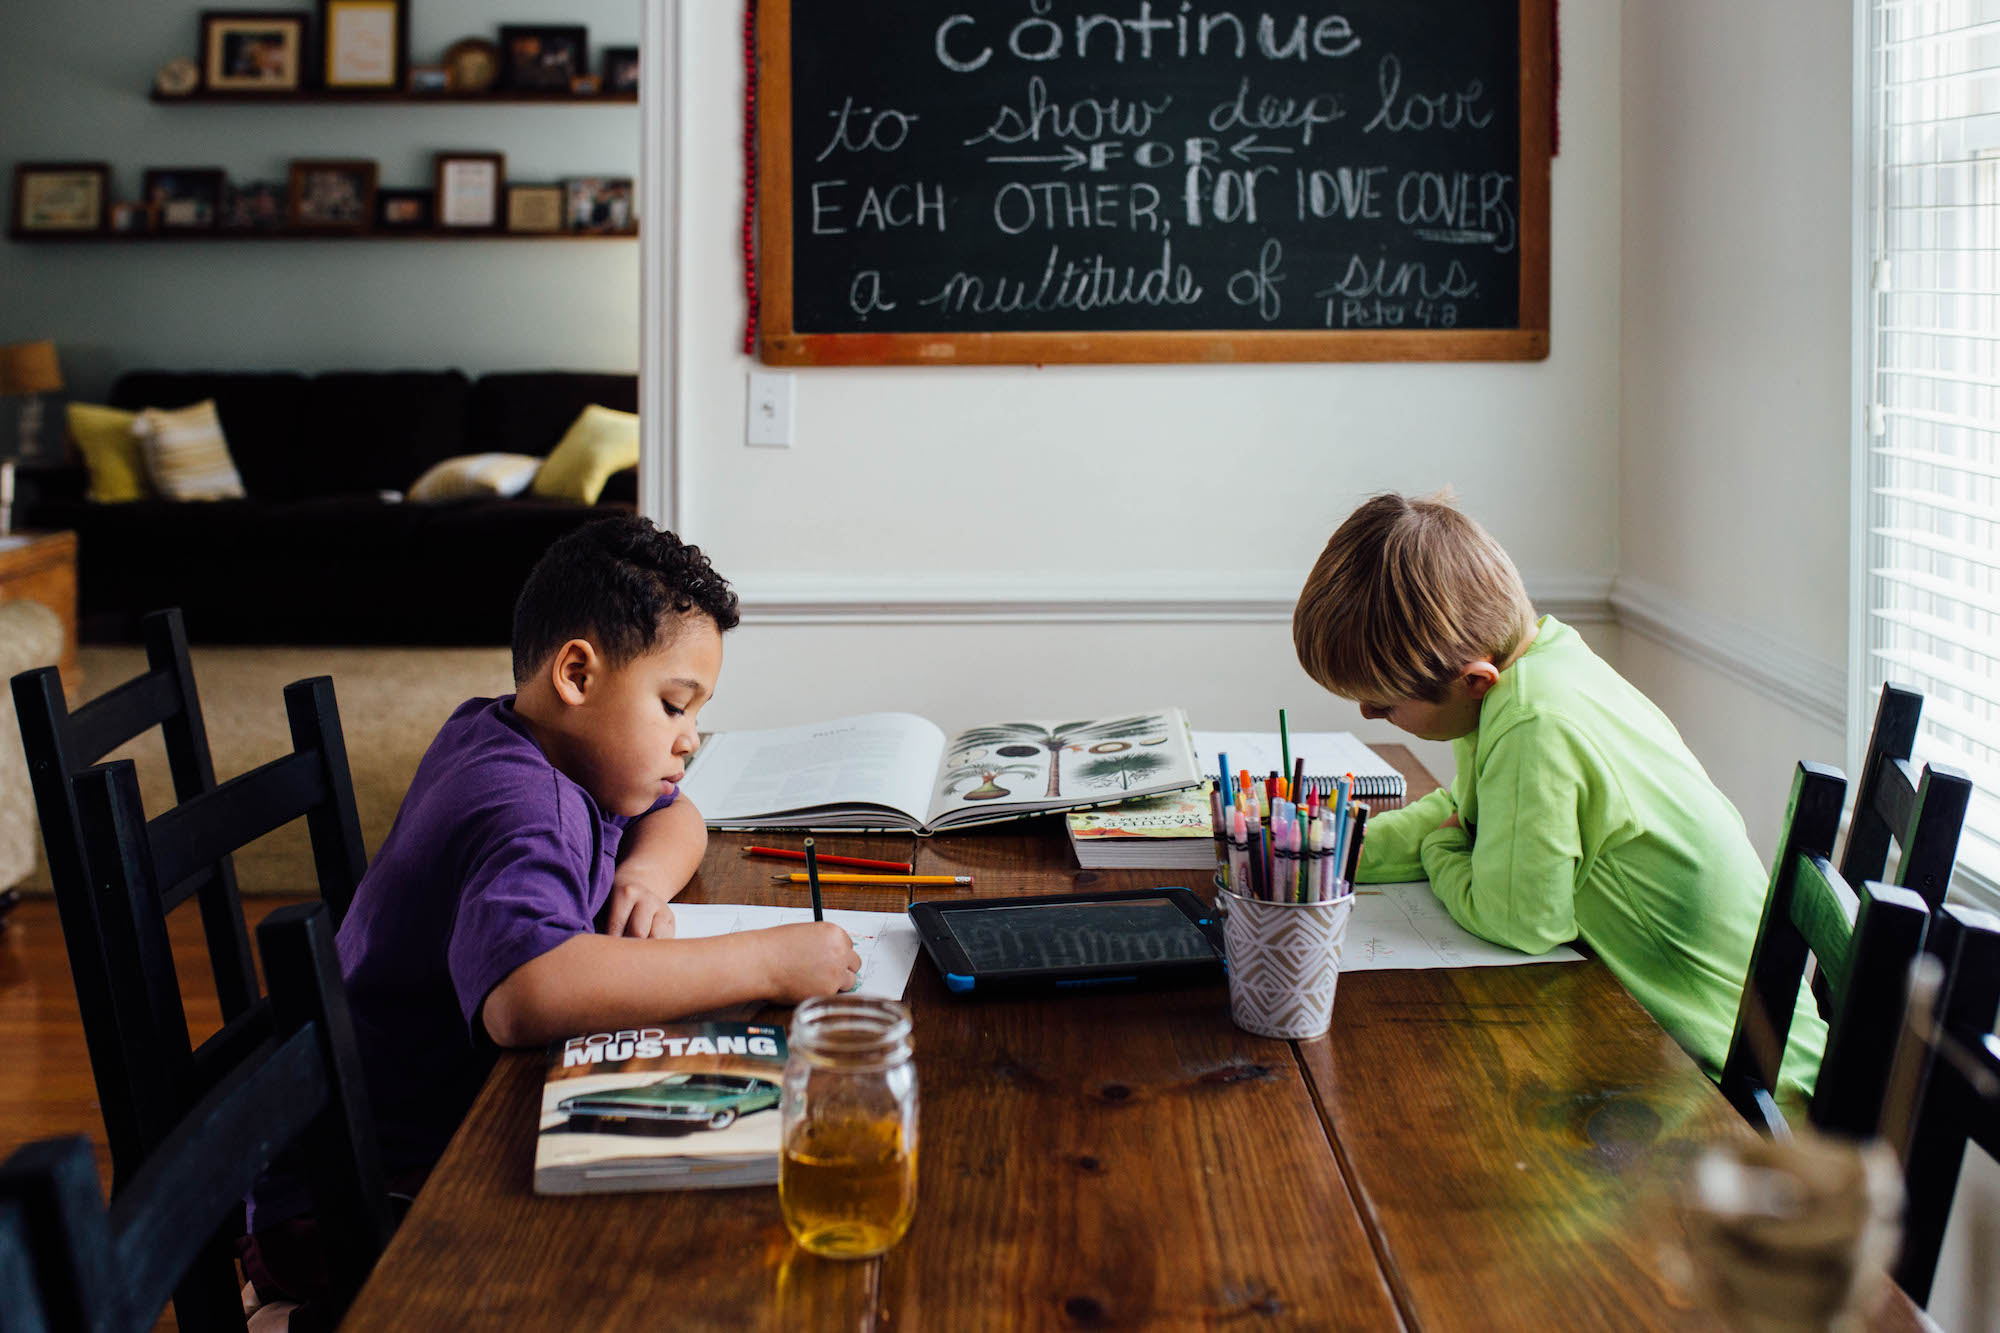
pixel 404 210
pixel 472 64
pixel 256 206
pixel 132 217
pixel 188 198
pixel 598 203
pixel 469 187
pixel 363 43
pixel 621 69
pixel 332 194
pixel 60 196
pixel 252 53
pixel 543 57
pixel 534 208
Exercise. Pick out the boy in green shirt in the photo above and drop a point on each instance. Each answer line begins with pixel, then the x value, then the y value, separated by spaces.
pixel 1576 810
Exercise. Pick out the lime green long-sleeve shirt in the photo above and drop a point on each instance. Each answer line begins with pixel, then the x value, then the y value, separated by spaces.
pixel 1583 815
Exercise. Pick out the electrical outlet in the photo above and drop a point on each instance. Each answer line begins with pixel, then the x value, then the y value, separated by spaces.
pixel 769 418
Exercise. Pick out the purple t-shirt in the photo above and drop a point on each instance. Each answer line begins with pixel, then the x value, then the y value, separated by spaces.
pixel 494 859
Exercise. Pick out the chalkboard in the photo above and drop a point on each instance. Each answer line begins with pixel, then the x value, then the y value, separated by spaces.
pixel 1153 180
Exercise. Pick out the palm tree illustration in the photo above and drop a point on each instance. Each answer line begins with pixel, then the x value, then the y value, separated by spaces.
pixel 988 789
pixel 1055 739
pixel 1124 769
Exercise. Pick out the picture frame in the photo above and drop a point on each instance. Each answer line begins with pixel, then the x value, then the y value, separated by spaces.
pixel 621 69
pixel 543 57
pixel 535 209
pixel 470 191
pixel 364 44
pixel 188 198
pixel 331 194
pixel 252 51
pixel 405 210
pixel 133 217
pixel 598 205
pixel 61 196
pixel 256 206
pixel 472 65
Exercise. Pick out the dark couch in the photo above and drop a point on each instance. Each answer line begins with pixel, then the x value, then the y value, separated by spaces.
pixel 316 554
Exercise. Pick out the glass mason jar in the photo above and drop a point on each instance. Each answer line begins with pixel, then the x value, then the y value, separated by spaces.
pixel 848 1179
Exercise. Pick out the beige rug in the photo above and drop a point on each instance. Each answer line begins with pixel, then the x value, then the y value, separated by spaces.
pixel 392 701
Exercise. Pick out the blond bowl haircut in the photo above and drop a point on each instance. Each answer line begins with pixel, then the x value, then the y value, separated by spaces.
pixel 1405 595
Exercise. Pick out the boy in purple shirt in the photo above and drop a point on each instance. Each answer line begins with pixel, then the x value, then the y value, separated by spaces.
pixel 522 892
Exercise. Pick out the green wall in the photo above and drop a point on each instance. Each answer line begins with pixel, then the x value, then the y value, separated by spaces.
pixel 77 75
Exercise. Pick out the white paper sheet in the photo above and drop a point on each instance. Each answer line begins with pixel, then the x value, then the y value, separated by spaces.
pixel 1405 926
pixel 886 941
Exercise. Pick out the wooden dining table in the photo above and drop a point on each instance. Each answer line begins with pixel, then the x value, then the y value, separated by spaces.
pixel 1477 1148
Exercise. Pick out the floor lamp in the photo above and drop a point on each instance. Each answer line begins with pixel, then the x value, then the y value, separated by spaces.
pixel 27 370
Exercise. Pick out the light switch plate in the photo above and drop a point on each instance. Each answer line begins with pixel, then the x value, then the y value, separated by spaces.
pixel 768 421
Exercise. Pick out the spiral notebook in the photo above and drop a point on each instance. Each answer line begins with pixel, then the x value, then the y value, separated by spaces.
pixel 1328 755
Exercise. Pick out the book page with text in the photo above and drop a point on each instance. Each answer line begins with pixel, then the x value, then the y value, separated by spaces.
pixel 876 758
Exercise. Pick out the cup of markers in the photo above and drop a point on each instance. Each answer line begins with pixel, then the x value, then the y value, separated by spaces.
pixel 1286 890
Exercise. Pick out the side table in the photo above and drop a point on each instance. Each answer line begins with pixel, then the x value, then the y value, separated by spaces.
pixel 41 566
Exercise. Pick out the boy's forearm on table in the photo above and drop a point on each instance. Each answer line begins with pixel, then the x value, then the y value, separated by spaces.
pixel 1390 848
pixel 663 849
pixel 596 983
pixel 1489 905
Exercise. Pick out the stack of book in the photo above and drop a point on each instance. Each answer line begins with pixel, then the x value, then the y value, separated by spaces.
pixel 1170 832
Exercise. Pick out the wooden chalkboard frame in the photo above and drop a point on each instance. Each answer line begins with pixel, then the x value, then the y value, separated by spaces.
pixel 780 343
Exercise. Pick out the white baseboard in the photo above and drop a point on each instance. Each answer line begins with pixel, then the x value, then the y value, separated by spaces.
pixel 1810 686
pixel 1183 598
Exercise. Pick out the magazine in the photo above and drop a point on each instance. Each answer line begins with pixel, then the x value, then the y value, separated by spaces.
pixel 900 771
pixel 675 1106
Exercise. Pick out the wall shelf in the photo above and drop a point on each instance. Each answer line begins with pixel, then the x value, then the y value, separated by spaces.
pixel 365 97
pixel 414 234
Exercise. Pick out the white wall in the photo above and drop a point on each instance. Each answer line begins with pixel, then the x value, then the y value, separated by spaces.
pixel 1735 398
pixel 1040 487
pixel 76 79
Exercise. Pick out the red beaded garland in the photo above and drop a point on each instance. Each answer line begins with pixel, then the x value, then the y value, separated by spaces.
pixel 750 177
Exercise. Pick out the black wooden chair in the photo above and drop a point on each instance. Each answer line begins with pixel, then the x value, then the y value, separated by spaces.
pixel 1958 1101
pixel 1864 941
pixel 61 744
pixel 68 1263
pixel 133 863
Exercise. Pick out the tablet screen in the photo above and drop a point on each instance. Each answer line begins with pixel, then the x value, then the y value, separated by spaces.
pixel 1069 936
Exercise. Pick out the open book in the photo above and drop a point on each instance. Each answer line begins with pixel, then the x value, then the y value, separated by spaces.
pixel 900 771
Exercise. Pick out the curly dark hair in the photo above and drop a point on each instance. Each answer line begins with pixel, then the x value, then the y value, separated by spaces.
pixel 619 582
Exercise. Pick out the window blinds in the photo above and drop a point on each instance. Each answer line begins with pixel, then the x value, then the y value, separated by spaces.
pixel 1932 438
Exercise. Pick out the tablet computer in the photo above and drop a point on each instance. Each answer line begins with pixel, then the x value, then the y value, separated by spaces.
pixel 1140 937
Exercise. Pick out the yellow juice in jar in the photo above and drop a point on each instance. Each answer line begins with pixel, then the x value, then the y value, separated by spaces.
pixel 848 1188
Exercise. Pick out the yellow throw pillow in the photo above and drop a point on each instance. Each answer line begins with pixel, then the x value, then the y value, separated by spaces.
pixel 110 453
pixel 599 442
pixel 186 456
pixel 475 475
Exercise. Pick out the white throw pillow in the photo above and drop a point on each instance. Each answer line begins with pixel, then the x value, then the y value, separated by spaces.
pixel 470 475
pixel 185 454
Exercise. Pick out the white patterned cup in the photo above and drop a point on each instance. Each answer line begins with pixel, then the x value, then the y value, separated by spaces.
pixel 1284 961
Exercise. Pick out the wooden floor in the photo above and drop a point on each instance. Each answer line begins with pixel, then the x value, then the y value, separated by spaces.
pixel 45 1082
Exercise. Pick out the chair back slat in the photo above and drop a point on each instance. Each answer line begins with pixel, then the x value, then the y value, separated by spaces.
pixel 120 714
pixel 1949 1111
pixel 1929 837
pixel 1873 974
pixel 1898 807
pixel 204 828
pixel 1823 910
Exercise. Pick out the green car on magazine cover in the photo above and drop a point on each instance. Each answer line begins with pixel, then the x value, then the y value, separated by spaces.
pixel 671 1105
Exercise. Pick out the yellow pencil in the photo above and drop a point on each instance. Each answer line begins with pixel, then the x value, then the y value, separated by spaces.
pixel 927 880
